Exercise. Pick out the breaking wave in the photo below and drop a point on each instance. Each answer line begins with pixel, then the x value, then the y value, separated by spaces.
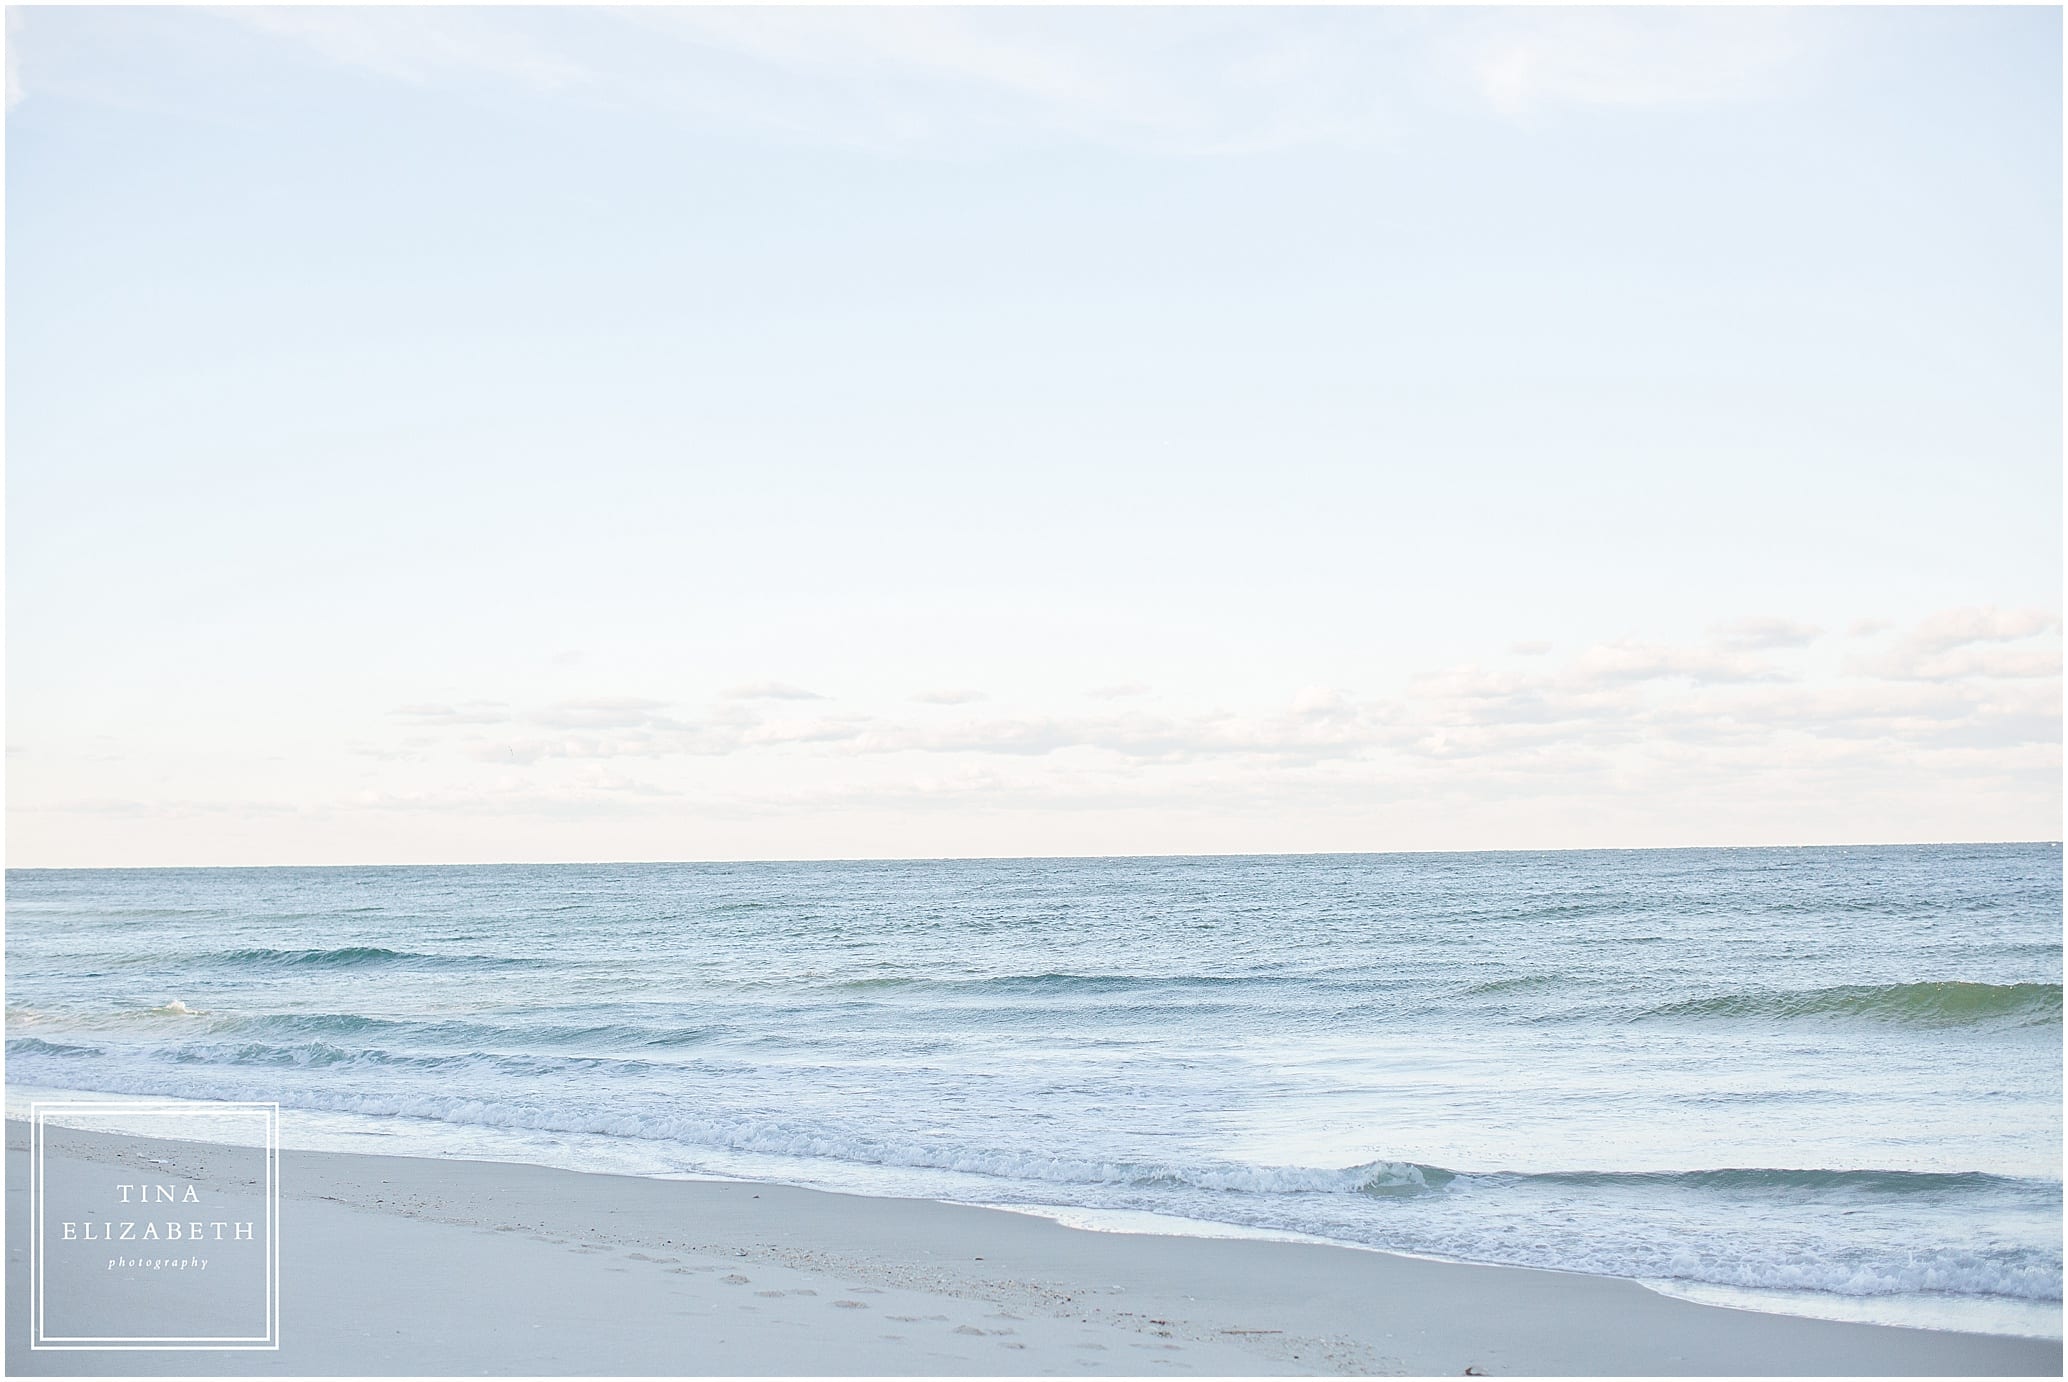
pixel 1943 1003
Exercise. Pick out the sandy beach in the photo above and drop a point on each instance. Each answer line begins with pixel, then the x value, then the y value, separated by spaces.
pixel 394 1265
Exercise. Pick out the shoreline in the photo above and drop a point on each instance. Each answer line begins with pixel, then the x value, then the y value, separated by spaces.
pixel 2042 1321
pixel 400 1265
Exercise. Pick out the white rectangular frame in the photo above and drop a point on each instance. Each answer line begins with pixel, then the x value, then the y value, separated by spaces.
pixel 269 1113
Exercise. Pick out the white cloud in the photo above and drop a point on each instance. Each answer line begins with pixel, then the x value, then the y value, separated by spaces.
pixel 817 731
pixel 166 809
pixel 590 794
pixel 1701 725
pixel 468 713
pixel 1631 56
pixel 606 712
pixel 419 44
pixel 948 697
pixel 1630 661
pixel 1980 624
pixel 1710 697
pixel 769 691
pixel 1976 642
pixel 1960 664
pixel 1767 632
pixel 1197 80
pixel 15 91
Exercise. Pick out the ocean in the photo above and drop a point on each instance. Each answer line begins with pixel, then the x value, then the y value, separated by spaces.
pixel 1818 1080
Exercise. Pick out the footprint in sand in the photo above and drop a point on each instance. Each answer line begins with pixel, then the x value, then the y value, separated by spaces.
pixel 966 1329
pixel 771 1294
pixel 735 1279
pixel 849 1305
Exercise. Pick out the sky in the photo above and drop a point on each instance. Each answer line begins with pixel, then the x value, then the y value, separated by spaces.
pixel 477 435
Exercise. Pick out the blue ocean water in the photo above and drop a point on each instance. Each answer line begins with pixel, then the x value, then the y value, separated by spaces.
pixel 1826 1080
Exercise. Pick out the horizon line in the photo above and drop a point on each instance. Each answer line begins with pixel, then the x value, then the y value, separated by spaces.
pixel 1011 858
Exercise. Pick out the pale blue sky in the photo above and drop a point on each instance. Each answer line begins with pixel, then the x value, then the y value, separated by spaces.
pixel 433 435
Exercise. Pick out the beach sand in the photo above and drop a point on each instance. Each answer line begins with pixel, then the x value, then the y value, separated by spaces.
pixel 398 1265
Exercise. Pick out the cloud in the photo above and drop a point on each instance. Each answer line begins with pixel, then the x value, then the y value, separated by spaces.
pixel 1977 642
pixel 948 697
pixel 1532 648
pixel 819 731
pixel 15 92
pixel 587 793
pixel 1197 81
pixel 1118 691
pixel 467 713
pixel 1318 724
pixel 1630 57
pixel 946 77
pixel 593 778
pixel 606 712
pixel 419 44
pixel 630 742
pixel 1980 624
pixel 176 808
pixel 1767 633
pixel 413 749
pixel 1966 663
pixel 1966 699
pixel 1631 661
pixel 769 691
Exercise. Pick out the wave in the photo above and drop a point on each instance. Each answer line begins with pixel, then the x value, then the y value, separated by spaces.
pixel 762 1136
pixel 36 1046
pixel 356 956
pixel 1940 1003
pixel 1295 1197
pixel 1763 1180
pixel 1517 983
pixel 746 1133
pixel 1349 980
pixel 475 1036
pixel 323 1054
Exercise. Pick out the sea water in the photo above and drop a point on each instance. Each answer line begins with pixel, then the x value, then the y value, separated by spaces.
pixel 1819 1080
